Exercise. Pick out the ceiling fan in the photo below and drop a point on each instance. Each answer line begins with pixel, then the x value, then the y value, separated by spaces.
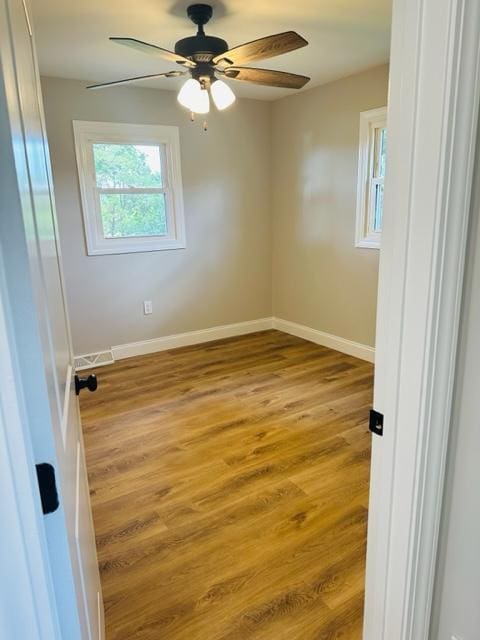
pixel 207 59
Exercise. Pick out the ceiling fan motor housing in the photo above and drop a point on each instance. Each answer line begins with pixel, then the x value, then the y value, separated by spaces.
pixel 201 48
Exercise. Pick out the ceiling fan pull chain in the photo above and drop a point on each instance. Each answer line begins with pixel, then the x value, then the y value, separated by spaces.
pixel 192 116
pixel 205 126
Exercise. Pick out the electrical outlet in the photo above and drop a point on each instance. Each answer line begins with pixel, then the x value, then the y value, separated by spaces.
pixel 147 307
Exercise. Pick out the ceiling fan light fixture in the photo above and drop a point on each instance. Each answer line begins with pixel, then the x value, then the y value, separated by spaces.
pixel 222 95
pixel 193 97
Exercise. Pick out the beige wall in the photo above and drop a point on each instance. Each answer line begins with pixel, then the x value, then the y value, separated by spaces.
pixel 224 274
pixel 319 278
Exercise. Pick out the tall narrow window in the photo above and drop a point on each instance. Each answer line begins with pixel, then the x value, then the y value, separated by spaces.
pixel 131 187
pixel 371 176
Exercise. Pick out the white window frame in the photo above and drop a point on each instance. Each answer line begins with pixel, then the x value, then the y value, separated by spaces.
pixel 365 234
pixel 86 134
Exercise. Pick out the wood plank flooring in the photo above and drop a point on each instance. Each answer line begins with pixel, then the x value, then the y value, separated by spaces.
pixel 229 486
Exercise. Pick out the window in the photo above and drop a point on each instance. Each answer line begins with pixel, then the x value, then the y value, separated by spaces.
pixel 131 187
pixel 371 175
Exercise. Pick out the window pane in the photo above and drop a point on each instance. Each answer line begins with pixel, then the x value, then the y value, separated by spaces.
pixel 378 207
pixel 127 165
pixel 380 152
pixel 133 215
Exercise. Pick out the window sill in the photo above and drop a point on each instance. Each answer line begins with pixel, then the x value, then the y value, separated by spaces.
pixel 131 247
pixel 366 243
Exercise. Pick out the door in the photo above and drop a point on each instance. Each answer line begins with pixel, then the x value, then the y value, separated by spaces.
pixel 434 98
pixel 57 437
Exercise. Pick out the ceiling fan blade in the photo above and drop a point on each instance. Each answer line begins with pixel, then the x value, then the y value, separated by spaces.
pixel 267 77
pixel 153 50
pixel 168 74
pixel 262 48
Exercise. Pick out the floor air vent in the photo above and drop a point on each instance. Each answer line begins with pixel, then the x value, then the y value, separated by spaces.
pixel 93 360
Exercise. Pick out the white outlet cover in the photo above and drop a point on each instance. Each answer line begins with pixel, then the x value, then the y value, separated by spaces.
pixel 147 307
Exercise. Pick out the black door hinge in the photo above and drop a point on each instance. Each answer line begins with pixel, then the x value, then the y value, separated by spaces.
pixel 376 422
pixel 48 487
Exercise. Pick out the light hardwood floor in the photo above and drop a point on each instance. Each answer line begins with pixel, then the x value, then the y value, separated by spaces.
pixel 229 486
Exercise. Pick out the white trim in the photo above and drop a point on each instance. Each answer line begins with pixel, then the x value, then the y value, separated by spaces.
pixel 433 111
pixel 144 347
pixel 189 338
pixel 100 620
pixel 87 133
pixel 66 405
pixel 356 349
pixel 370 121
pixel 78 534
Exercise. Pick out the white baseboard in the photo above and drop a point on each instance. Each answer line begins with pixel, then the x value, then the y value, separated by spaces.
pixel 356 349
pixel 144 347
pixel 190 337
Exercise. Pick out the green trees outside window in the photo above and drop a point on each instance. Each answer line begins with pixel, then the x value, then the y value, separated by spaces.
pixel 130 190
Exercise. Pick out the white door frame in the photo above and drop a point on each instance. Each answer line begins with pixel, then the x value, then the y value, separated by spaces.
pixel 432 121
pixel 27 598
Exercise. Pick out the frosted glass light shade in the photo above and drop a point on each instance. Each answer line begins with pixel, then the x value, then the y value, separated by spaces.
pixel 222 95
pixel 193 97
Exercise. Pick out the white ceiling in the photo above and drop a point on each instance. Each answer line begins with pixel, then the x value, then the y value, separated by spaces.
pixel 345 36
